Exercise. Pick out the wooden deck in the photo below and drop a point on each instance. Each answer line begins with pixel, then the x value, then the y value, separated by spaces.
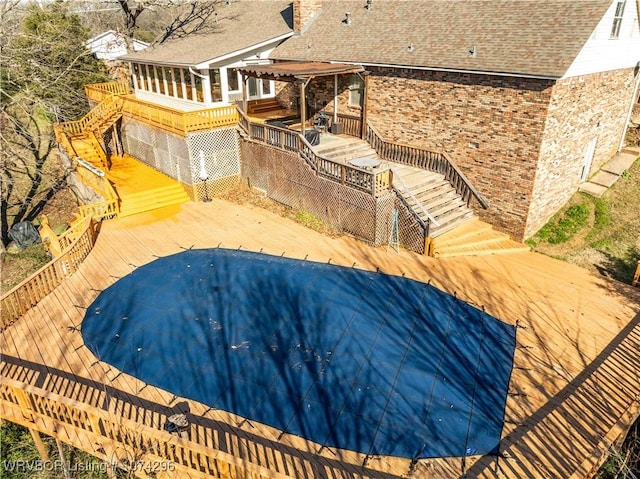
pixel 573 389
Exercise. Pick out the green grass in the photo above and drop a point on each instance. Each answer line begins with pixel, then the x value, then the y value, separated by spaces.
pixel 565 225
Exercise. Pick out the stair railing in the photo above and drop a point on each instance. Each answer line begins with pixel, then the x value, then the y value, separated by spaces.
pixel 372 182
pixel 438 162
pixel 96 117
pixel 400 193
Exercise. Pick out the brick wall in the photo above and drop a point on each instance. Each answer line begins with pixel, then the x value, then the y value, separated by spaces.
pixel 581 108
pixel 491 127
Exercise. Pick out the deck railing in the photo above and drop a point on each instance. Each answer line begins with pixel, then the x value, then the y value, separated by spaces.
pixel 351 124
pixel 439 162
pixel 177 121
pixel 120 440
pixel 100 210
pixel 372 182
pixel 79 241
pixel 97 116
pixel 97 92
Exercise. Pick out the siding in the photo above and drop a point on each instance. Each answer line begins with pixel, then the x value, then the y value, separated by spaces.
pixel 601 53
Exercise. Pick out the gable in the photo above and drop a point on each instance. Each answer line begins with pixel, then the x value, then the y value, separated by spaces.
pixel 603 52
pixel 521 37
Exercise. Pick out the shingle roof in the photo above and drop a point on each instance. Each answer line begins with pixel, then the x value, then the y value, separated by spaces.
pixel 527 37
pixel 241 24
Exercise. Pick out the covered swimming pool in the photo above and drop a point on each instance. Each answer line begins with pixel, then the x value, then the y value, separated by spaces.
pixel 345 358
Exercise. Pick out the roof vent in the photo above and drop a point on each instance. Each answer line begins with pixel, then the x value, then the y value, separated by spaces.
pixel 347 18
pixel 472 51
pixel 369 4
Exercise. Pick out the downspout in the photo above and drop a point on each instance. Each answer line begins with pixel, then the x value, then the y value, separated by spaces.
pixel 636 72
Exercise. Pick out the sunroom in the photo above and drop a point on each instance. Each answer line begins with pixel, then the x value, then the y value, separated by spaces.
pixel 199 70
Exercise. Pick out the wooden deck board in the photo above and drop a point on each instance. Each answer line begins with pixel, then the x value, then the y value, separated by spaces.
pixel 577 370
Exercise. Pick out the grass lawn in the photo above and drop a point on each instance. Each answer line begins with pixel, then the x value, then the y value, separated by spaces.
pixel 599 234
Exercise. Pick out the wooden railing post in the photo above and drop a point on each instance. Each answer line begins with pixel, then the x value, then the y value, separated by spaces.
pixel 42 450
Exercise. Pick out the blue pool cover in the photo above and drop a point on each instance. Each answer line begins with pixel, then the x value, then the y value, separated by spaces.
pixel 346 358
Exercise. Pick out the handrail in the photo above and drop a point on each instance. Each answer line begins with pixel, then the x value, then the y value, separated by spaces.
pixel 439 162
pixel 107 108
pixel 27 294
pixel 405 190
pixel 177 121
pixel 122 439
pixel 373 183
pixel 98 91
pixel 100 210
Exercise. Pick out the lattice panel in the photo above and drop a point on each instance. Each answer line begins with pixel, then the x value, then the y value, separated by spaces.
pixel 410 232
pixel 214 154
pixel 159 149
pixel 211 188
pixel 289 180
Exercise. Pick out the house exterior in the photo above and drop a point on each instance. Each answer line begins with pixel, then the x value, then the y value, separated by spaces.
pixel 199 70
pixel 524 99
pixel 529 97
pixel 110 45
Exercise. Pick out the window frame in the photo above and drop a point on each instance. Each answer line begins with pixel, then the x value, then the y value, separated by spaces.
pixel 618 16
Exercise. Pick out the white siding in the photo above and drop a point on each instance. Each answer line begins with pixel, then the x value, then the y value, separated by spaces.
pixel 603 53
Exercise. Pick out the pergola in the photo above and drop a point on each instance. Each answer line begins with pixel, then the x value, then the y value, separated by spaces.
pixel 302 73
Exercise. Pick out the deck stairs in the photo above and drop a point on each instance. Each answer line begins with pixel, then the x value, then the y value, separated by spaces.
pixel 139 188
pixel 425 192
pixel 456 230
pixel 148 200
pixel 475 238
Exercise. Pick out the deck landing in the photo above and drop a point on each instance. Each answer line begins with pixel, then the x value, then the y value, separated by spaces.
pixel 572 391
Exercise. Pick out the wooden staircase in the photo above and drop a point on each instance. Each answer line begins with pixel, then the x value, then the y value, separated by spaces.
pixel 344 148
pixel 431 196
pixel 454 229
pixel 139 188
pixel 89 149
pixel 149 200
pixel 474 238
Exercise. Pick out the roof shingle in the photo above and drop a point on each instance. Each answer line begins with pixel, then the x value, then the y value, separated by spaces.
pixel 522 37
pixel 241 24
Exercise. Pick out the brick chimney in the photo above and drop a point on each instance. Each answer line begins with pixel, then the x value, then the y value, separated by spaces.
pixel 303 10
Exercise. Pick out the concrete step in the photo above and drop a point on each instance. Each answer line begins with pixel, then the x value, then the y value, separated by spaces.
pixel 593 189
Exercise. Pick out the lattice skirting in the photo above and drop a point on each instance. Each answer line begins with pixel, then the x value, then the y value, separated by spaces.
pixel 288 179
pixel 209 157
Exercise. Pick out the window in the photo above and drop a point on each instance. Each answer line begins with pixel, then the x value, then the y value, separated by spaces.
pixel 266 87
pixel 186 74
pixel 216 89
pixel 137 73
pixel 617 19
pixel 177 74
pixel 356 90
pixel 232 80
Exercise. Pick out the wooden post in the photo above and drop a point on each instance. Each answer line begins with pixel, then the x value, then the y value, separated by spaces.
pixel 244 94
pixel 42 450
pixel 303 105
pixel 363 130
pixel 636 277
pixel 63 459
